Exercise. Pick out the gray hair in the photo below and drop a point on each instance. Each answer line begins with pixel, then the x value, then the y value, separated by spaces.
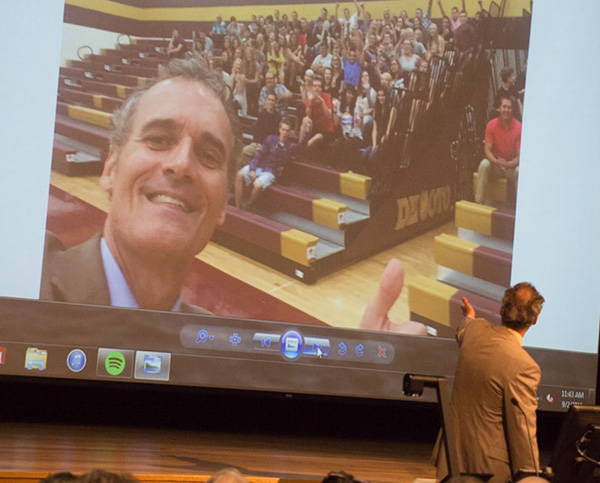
pixel 188 69
pixel 521 306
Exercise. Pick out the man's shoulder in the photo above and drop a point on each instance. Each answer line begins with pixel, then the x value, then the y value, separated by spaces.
pixel 280 88
pixel 54 248
pixel 472 324
pixel 74 274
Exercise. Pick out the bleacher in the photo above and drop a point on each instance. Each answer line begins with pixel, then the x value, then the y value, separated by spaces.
pixel 476 264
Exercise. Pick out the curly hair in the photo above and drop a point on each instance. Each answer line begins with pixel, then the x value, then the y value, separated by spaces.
pixel 521 306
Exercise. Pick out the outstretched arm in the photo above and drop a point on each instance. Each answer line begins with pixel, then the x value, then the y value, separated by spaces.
pixel 441 8
pixel 469 313
pixel 359 7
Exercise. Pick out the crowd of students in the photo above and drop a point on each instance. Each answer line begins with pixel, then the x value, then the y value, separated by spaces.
pixel 345 70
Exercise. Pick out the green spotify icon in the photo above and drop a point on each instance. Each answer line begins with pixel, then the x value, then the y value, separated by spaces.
pixel 115 363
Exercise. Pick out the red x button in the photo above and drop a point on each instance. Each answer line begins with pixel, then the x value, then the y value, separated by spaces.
pixel 381 352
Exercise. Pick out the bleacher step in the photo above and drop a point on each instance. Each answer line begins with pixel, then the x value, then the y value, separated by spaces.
pixel 83 132
pixel 318 209
pixel 88 99
pixel 323 179
pixel 471 284
pixel 439 306
pixel 477 261
pixel 485 219
pixel 270 235
pixel 337 237
pixel 71 160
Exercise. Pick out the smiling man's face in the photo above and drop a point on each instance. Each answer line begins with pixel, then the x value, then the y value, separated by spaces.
pixel 168 183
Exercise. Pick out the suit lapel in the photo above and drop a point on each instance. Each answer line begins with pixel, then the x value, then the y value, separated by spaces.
pixel 78 274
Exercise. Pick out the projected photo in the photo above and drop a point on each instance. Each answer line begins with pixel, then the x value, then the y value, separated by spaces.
pixel 294 202
pixel 320 144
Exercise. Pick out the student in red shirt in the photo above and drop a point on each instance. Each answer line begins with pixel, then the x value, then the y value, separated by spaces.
pixel 502 149
pixel 319 108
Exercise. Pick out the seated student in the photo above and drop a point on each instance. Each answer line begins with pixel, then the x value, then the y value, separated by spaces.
pixel 502 147
pixel 206 41
pixel 508 88
pixel 383 121
pixel 176 48
pixel 319 108
pixel 266 124
pixel 408 59
pixel 322 60
pixel 269 162
pixel 347 146
pixel 352 65
pixel 219 27
pixel 365 103
pixel 282 94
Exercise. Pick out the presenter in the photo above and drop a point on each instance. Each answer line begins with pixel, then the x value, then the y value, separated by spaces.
pixel 494 397
pixel 166 176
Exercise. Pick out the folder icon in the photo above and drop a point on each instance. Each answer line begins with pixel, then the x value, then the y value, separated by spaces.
pixel 35 359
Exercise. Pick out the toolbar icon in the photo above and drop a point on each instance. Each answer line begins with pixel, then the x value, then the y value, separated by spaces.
pixel 115 363
pixel 316 346
pixel 35 359
pixel 360 350
pixel 265 342
pixel 235 339
pixel 202 336
pixel 152 365
pixel 76 360
pixel 291 344
pixel 2 355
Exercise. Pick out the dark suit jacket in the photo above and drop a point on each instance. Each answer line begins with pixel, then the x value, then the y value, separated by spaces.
pixel 77 274
pixel 491 432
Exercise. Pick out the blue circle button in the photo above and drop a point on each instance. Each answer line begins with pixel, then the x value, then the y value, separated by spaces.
pixel 291 344
pixel 76 360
